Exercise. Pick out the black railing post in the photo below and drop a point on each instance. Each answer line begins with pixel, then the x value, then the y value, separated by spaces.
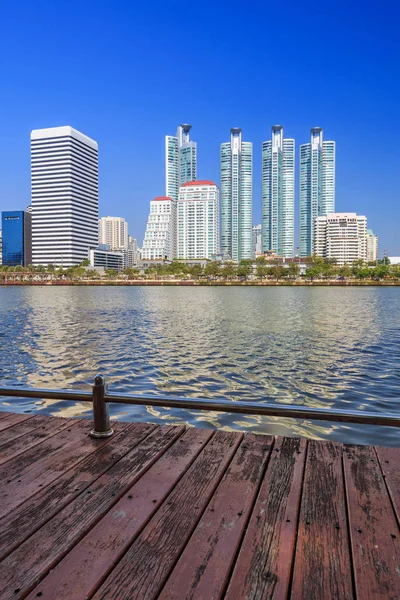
pixel 101 409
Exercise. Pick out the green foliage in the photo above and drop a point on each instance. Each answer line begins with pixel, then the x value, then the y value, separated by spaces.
pixel 111 273
pixel 245 268
pixel 293 269
pixel 229 270
pixel 212 269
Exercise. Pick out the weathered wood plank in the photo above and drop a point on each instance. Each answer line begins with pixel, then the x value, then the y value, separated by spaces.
pixel 13 419
pixel 4 414
pixel 203 568
pixel 389 459
pixel 322 558
pixel 84 568
pixel 374 532
pixel 30 516
pixel 263 567
pixel 12 433
pixel 146 565
pixel 48 546
pixel 41 430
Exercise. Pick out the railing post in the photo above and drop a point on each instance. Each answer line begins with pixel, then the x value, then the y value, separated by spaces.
pixel 101 409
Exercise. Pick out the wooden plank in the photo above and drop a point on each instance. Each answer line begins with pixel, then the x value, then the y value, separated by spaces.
pixel 4 414
pixel 84 568
pixel 389 459
pixel 263 567
pixel 13 419
pixel 203 568
pixel 374 532
pixel 322 558
pixel 41 552
pixel 146 565
pixel 27 426
pixel 25 520
pixel 45 429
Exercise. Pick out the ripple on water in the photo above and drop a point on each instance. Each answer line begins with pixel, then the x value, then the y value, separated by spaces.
pixel 314 346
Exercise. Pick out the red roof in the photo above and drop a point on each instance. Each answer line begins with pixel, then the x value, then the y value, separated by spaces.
pixel 162 198
pixel 199 182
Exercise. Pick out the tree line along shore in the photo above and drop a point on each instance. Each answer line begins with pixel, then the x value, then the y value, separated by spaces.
pixel 251 272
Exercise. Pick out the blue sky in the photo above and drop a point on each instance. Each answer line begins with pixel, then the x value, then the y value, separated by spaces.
pixel 127 73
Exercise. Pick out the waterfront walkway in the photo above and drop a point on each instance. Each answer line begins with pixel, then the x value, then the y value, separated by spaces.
pixel 175 513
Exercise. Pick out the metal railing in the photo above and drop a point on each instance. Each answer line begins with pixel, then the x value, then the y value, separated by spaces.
pixel 101 398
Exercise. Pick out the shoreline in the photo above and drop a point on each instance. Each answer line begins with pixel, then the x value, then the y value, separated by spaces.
pixel 181 283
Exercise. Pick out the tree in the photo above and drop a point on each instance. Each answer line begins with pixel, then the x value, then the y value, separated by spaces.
pixel 85 263
pixel 277 271
pixel 92 274
pixel 229 270
pixel 293 270
pixel 345 271
pixel 245 268
pixel 212 269
pixel 196 271
pixel 111 273
pixel 131 273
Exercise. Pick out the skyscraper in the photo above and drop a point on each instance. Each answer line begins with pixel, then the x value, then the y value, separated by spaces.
pixel 278 194
pixel 113 231
pixel 64 170
pixel 180 161
pixel 197 220
pixel 317 186
pixel 236 196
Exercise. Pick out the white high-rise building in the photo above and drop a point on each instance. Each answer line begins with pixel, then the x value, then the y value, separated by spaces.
pixel 341 236
pixel 372 246
pixel 197 220
pixel 65 202
pixel 180 161
pixel 278 194
pixel 113 231
pixel 317 186
pixel 236 197
pixel 158 243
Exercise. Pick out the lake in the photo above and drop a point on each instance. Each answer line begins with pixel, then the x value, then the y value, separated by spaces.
pixel 319 346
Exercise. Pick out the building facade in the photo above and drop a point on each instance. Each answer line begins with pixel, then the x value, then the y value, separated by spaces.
pixel 236 197
pixel 278 159
pixel 160 235
pixel 257 240
pixel 197 220
pixel 114 232
pixel 317 186
pixel 372 246
pixel 64 172
pixel 342 237
pixel 16 238
pixel 102 256
pixel 180 161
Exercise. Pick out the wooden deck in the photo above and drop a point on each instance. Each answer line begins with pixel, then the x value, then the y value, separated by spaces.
pixel 175 513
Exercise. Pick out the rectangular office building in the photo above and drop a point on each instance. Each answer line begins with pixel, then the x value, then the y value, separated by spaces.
pixel 17 238
pixel 65 203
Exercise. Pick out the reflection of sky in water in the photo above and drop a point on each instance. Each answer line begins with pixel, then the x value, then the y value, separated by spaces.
pixel 317 346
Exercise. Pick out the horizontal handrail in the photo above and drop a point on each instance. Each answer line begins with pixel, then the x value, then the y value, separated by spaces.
pixel 294 411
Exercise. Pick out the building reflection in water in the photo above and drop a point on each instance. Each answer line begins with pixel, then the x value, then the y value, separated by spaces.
pixel 323 347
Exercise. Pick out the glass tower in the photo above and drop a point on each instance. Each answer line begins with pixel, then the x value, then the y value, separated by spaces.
pixel 317 186
pixel 278 194
pixel 180 161
pixel 17 238
pixel 236 197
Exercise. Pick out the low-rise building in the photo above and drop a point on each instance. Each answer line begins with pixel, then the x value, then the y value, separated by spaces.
pixel 102 256
pixel 342 237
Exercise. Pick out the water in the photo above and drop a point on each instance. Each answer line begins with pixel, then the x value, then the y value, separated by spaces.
pixel 324 347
